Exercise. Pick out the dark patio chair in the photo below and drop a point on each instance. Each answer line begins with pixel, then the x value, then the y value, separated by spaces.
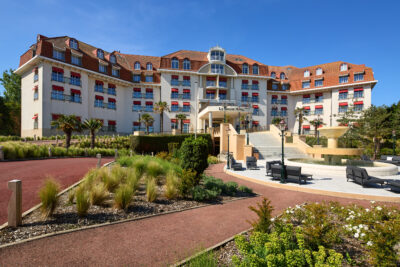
pixel 236 166
pixel 251 163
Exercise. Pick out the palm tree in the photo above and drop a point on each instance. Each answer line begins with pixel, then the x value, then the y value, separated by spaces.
pixel 68 124
pixel 93 125
pixel 148 120
pixel 181 117
pixel 299 113
pixel 160 107
pixel 316 123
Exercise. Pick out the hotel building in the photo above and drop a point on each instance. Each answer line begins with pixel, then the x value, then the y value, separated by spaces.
pixel 62 75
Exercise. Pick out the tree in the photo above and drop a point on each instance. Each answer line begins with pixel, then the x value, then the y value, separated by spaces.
pixel 12 100
pixel 93 125
pixel 148 120
pixel 5 119
pixel 68 124
pixel 299 113
pixel 181 117
pixel 160 107
pixel 374 124
pixel 316 123
pixel 349 118
pixel 193 154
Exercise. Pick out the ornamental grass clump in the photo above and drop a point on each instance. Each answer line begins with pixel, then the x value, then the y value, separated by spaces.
pixel 71 196
pixel 123 196
pixel 133 179
pixel 140 165
pixel 82 197
pixel 98 194
pixel 151 190
pixel 171 185
pixel 154 170
pixel 48 196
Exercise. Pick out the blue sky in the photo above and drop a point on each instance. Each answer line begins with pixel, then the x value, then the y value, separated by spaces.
pixel 274 32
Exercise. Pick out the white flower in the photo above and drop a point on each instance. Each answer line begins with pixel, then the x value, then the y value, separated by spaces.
pixel 287 211
pixel 367 210
pixel 356 235
pixel 369 243
pixel 378 208
pixel 372 202
pixel 273 219
pixel 362 234
pixel 365 227
pixel 342 207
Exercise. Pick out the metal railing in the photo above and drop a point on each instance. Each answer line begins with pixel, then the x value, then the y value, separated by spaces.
pixel 69 98
pixel 145 95
pixel 68 80
pixel 142 108
pixel 279 101
pixel 312 100
pixel 350 96
pixel 279 114
pixel 105 105
pixel 183 83
pixel 180 96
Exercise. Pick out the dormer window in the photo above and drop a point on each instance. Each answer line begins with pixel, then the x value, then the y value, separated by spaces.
pixel 318 71
pixel 282 76
pixel 307 73
pixel 186 64
pixel 343 67
pixel 113 59
pixel 217 55
pixel 73 44
pixel 217 68
pixel 149 66
pixel 273 75
pixel 175 63
pixel 137 65
pixel 255 69
pixel 100 53
pixel 245 68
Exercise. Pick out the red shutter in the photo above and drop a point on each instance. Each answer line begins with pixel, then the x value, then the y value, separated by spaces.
pixel 99 97
pixel 343 104
pixel 55 116
pixel 35 116
pixel 111 100
pixel 136 123
pixel 222 79
pixel 75 91
pixel 255 106
pixel 35 88
pixel 174 77
pixel 137 103
pixel 284 97
pixel 255 94
pixel 149 90
pixel 275 97
pixel 358 89
pixel 210 92
pixel 283 108
pixel 186 90
pixel 137 89
pixel 318 94
pixel 359 103
pixel 55 69
pixel 319 107
pixel 186 78
pixel 307 108
pixel 174 120
pixel 306 96
pixel 245 93
pixel 255 82
pixel 149 103
pixel 174 90
pixel 245 81
pixel 186 103
pixel 110 85
pixel 186 121
pixel 75 74
pixel 255 122
pixel 306 126
pixel 223 92
pixel 211 79
pixel 99 82
pixel 112 123
pixel 58 88
pixel 174 103
pixel 343 91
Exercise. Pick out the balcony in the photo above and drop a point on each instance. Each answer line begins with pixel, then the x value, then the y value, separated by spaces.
pixel 68 98
pixel 350 96
pixel 314 112
pixel 279 113
pixel 245 86
pixel 101 104
pixel 144 96
pixel 279 101
pixel 183 83
pixel 312 100
pixel 254 87
pixel 223 84
pixel 68 80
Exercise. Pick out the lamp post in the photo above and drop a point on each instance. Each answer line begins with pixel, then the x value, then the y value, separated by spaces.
pixel 228 165
pixel 283 170
pixel 394 142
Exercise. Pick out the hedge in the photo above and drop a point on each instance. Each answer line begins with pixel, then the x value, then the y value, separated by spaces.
pixel 158 143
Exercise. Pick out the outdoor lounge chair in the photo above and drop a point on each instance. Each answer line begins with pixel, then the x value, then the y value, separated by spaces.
pixel 350 173
pixel 394 185
pixel 251 163
pixel 236 166
pixel 269 164
pixel 390 159
pixel 360 176
pixel 292 173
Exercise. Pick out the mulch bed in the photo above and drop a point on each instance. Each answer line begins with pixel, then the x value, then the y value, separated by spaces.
pixel 65 216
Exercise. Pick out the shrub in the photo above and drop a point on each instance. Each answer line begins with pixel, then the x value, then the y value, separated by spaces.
pixel 163 155
pixel 123 196
pixel 193 154
pixel 171 185
pixel 111 180
pixel 264 213
pixel 98 194
pixel 125 161
pixel 154 169
pixel 82 201
pixel 245 189
pixel 201 194
pixel 208 259
pixel 212 160
pixel 212 183
pixel 151 190
pixel 188 181
pixel 48 196
pixel 230 188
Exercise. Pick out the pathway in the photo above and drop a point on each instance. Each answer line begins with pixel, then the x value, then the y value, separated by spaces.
pixel 32 173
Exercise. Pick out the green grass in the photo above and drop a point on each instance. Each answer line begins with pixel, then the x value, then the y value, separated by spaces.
pixel 207 259
pixel 123 196
pixel 48 196
pixel 151 190
pixel 82 201
pixel 98 194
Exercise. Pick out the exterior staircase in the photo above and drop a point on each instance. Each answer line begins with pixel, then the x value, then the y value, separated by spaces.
pixel 269 146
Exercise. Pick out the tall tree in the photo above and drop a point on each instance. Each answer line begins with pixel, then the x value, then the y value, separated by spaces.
pixel 316 123
pixel 93 125
pixel 160 107
pixel 12 99
pixel 5 119
pixel 299 113
pixel 68 124
pixel 181 117
pixel 148 120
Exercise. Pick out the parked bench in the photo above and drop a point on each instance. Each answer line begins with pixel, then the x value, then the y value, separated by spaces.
pixel 251 163
pixel 292 173
pixel 390 159
pixel 269 164
pixel 360 176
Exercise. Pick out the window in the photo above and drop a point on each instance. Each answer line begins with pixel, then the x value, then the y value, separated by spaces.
pixel 99 101
pixel 137 106
pixel 76 96
pixel 274 112
pixel 149 66
pixel 306 111
pixel 343 94
pixel 36 93
pixel 222 95
pixel 285 86
pixel 111 89
pixel 254 97
pixel 359 77
pixel 274 99
pixel 76 60
pixel 211 82
pixel 318 71
pixel 113 59
pixel 343 79
pixel 223 82
pixel 35 74
pixel 255 110
pixel 217 68
pixel 102 68
pixel 306 73
pixel 186 107
pixel 136 78
pixel 245 68
pixel 358 106
pixel 137 93
pixel 73 44
pixel 273 75
pixel 282 76
pixel 217 55
pixel 245 97
pixel 255 69
pixel 112 126
pixel 75 79
pixel 115 72
pixel 284 111
pixel 149 106
pixel 342 107
pixel 186 64
pixel 305 84
pixel 318 83
pixel 174 80
pixel 57 93
pixel 35 121
pixel 319 97
pixel 186 94
pixel 284 100
pixel 358 92
pixel 306 99
pixel 319 110
pixel 275 86
pixel 174 124
pixel 100 53
pixel 186 124
pixel 186 81
pixel 111 103
pixel 254 85
pixel 306 129
pixel 98 86
pixel 58 55
pixel 245 84
pixel 175 63
pixel 174 107
pixel 210 94
pixel 343 67
pixel 174 93
pixel 57 75
pixel 136 126
pixel 149 78
pixel 149 93
pixel 137 65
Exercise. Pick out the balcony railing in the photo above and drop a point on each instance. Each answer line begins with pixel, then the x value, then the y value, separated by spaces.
pixel 142 108
pixel 69 98
pixel 179 109
pixel 254 87
pixel 180 96
pixel 183 83
pixel 312 100
pixel 279 101
pixel 145 95
pixel 311 113
pixel 68 80
pixel 279 114
pixel 350 96
pixel 99 104
pixel 245 86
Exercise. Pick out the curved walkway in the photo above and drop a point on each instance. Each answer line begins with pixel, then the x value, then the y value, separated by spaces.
pixel 32 173
pixel 156 241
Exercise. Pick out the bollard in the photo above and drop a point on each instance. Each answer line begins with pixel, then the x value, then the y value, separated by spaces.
pixel 116 154
pixel 34 137
pixel 1 153
pixel 86 152
pixel 50 153
pixel 98 156
pixel 15 203
pixel 152 154
pixel 56 140
pixel 130 153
